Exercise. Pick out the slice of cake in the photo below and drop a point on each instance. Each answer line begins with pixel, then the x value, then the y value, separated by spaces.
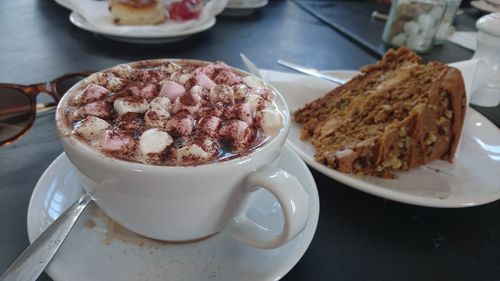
pixel 396 115
pixel 137 12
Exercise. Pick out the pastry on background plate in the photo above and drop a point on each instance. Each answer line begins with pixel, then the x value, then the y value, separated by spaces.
pixel 137 12
pixel 396 115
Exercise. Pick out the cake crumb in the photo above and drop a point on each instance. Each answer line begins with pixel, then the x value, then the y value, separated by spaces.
pixel 89 224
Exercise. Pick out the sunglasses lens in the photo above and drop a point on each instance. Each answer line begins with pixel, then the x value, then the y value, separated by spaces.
pixel 15 113
pixel 65 84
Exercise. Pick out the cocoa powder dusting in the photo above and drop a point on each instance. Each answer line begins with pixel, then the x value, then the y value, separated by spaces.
pixel 142 82
pixel 130 121
pixel 188 99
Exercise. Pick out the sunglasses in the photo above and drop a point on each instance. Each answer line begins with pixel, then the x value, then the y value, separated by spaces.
pixel 18 105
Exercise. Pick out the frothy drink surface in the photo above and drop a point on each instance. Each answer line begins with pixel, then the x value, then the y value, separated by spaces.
pixel 173 113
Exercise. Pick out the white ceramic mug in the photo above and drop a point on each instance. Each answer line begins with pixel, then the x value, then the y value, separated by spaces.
pixel 182 203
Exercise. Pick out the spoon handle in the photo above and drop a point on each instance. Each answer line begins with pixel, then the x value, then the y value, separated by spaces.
pixel 311 71
pixel 251 66
pixel 30 264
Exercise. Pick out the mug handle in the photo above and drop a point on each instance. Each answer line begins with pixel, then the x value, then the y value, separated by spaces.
pixel 294 202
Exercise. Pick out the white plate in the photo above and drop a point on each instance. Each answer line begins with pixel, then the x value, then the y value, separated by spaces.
pixel 243 8
pixel 484 6
pixel 141 38
pixel 84 255
pixel 246 5
pixel 478 180
pixel 64 4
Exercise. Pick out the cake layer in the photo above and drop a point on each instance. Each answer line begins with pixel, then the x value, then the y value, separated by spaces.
pixel 396 115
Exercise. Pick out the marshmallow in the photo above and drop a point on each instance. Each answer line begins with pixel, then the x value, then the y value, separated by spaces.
pixel 256 102
pixel 204 81
pixel 98 108
pixel 149 92
pixel 192 152
pixel 181 78
pixel 107 80
pixel 227 77
pixel 156 117
pixel 264 93
pixel 399 39
pixel 123 71
pixel 253 82
pixel 114 83
pixel 207 70
pixel 208 125
pixel 240 91
pixel 180 125
pixel 200 91
pixel 220 66
pixel 130 104
pixel 91 128
pixel 235 133
pixel 188 102
pixel 118 142
pixel 172 90
pixel 210 145
pixel 160 102
pixel 93 92
pixel 221 93
pixel 170 67
pixel 190 99
pixel 411 28
pixel 243 112
pixel 269 120
pixel 211 69
pixel 154 141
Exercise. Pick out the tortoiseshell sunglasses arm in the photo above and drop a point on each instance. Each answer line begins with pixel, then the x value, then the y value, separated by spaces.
pixel 46 87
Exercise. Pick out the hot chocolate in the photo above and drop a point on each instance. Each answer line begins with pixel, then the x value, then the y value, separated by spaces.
pixel 183 113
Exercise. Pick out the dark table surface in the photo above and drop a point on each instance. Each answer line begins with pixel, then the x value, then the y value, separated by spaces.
pixel 359 236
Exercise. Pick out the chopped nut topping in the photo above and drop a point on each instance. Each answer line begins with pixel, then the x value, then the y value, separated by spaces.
pixel 430 139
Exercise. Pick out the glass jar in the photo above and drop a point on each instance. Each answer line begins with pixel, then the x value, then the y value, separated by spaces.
pixel 413 23
pixel 446 22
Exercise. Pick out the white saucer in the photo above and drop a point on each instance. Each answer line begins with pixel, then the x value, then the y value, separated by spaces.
pixel 478 165
pixel 243 8
pixel 484 6
pixel 85 255
pixel 141 38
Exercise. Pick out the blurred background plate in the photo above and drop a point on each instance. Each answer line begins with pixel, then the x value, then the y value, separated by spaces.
pixel 144 38
pixel 243 8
